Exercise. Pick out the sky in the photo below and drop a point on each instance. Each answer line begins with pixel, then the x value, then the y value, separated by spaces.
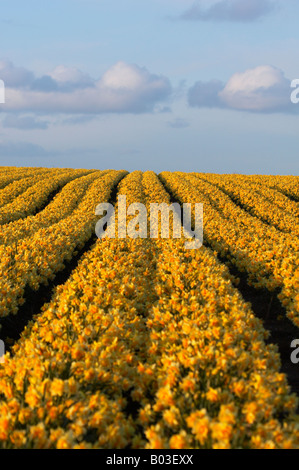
pixel 178 85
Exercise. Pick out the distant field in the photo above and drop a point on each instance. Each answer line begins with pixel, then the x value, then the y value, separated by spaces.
pixel 140 343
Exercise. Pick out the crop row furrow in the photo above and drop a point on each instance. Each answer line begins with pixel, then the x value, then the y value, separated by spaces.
pixel 37 196
pixel 36 260
pixel 268 256
pixel 255 203
pixel 10 174
pixel 62 205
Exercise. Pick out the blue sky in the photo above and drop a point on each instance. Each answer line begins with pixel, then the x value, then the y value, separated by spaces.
pixel 160 85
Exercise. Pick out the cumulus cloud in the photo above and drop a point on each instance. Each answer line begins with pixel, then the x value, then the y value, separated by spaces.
pixel 44 83
pixel 123 88
pixel 230 10
pixel 70 78
pixel 62 78
pixel 15 76
pixel 259 89
pixel 262 89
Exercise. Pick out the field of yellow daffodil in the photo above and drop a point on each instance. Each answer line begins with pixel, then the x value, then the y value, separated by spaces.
pixel 146 345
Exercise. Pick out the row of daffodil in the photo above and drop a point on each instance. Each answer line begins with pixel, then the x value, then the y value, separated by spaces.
pixel 18 186
pixel 227 429
pixel 278 198
pixel 60 207
pixel 10 177
pixel 71 379
pixel 257 204
pixel 285 265
pixel 278 262
pixel 10 174
pixel 269 256
pixel 198 294
pixel 147 345
pixel 287 185
pixel 36 260
pixel 37 195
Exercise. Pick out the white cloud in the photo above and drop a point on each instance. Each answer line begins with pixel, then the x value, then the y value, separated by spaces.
pixel 15 76
pixel 124 88
pixel 259 89
pixel 124 77
pixel 63 75
pixel 262 89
